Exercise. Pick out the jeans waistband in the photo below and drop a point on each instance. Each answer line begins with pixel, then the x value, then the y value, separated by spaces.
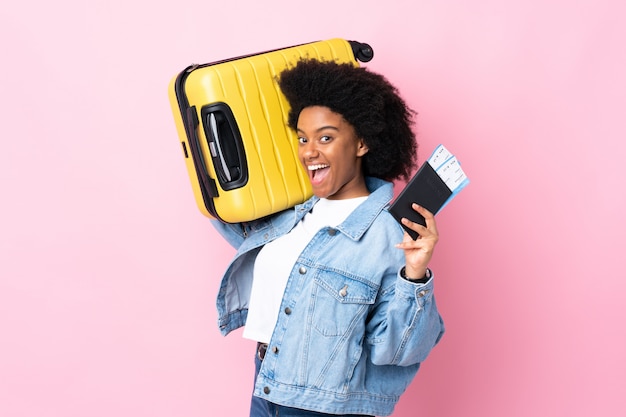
pixel 261 350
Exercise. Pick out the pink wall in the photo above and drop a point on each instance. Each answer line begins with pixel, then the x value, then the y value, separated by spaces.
pixel 108 272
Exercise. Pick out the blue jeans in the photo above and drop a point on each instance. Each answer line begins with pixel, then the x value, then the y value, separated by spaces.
pixel 260 407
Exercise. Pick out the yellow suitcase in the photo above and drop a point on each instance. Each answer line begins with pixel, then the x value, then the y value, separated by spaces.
pixel 232 123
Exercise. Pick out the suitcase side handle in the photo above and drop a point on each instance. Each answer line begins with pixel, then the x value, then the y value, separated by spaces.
pixel 225 145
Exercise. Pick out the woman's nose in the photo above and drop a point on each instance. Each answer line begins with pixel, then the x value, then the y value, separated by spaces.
pixel 309 150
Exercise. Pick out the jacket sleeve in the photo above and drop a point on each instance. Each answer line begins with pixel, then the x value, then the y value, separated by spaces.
pixel 405 324
pixel 233 233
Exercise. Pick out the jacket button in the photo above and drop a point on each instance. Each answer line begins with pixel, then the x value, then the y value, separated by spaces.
pixel 302 270
pixel 287 311
pixel 275 349
pixel 421 293
pixel 332 232
pixel 344 291
pixel 266 390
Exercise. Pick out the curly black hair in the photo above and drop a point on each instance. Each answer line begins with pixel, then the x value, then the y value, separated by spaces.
pixel 366 100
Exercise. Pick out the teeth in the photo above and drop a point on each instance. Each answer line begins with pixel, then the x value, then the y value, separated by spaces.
pixel 316 167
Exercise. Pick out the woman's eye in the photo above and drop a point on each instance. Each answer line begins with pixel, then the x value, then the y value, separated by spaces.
pixel 302 140
pixel 325 139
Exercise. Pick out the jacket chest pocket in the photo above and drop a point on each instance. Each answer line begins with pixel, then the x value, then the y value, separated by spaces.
pixel 340 303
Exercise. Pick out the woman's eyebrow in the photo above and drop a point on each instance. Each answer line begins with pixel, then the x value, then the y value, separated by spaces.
pixel 320 129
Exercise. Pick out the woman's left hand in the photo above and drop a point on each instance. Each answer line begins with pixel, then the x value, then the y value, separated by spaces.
pixel 419 252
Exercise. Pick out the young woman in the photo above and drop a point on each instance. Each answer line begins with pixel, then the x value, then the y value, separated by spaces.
pixel 338 297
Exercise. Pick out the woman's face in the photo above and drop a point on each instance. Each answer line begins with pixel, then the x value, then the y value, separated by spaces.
pixel 331 153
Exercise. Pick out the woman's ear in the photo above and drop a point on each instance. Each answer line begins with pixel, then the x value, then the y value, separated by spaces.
pixel 362 148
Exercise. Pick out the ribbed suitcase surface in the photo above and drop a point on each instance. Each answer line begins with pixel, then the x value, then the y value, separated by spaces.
pixel 231 119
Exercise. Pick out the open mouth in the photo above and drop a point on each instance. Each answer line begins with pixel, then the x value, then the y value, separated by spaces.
pixel 317 172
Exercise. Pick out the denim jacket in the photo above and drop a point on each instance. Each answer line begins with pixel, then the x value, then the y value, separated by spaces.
pixel 351 332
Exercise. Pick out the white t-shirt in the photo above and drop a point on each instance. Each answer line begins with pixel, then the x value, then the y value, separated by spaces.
pixel 276 260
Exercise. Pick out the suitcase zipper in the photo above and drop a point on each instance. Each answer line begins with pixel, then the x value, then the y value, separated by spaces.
pixel 208 187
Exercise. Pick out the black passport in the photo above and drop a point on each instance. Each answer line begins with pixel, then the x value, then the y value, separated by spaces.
pixel 427 189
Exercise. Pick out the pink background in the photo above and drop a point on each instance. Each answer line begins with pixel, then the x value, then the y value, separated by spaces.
pixel 109 272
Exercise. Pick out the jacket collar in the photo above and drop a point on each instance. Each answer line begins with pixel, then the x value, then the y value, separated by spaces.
pixel 364 215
